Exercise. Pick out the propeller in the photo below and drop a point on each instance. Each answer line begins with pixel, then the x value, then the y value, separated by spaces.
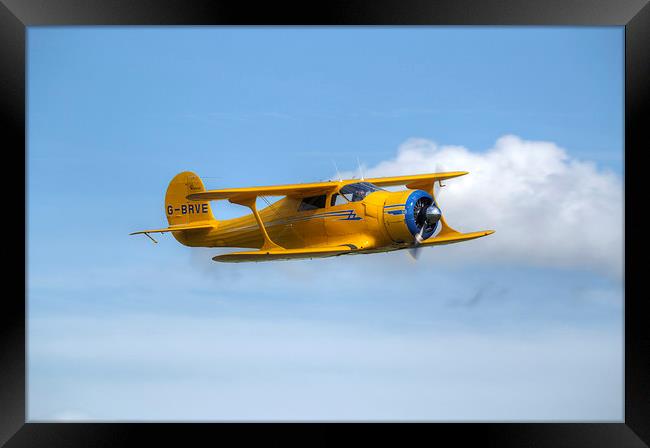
pixel 427 215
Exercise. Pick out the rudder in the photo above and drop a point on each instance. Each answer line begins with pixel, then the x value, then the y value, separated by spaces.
pixel 178 209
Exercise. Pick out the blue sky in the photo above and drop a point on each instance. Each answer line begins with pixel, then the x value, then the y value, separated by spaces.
pixel 523 325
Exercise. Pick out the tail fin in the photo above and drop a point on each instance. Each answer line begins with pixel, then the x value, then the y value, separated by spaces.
pixel 181 211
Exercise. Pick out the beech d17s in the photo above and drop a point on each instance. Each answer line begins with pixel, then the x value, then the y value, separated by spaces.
pixel 321 219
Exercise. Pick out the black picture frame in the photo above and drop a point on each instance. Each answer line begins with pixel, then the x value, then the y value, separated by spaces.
pixel 16 15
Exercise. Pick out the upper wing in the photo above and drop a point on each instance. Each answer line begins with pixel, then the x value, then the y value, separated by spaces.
pixel 415 181
pixel 276 190
pixel 315 188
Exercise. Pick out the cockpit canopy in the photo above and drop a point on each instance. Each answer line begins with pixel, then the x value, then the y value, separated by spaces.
pixel 357 191
pixel 349 193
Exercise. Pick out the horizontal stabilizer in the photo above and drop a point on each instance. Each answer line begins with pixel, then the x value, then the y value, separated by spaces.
pixel 286 254
pixel 175 228
pixel 455 237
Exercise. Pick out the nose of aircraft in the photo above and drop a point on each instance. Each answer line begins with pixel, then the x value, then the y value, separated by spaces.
pixel 433 214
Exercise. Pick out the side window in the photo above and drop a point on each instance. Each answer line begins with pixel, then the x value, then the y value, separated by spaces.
pixel 337 199
pixel 312 203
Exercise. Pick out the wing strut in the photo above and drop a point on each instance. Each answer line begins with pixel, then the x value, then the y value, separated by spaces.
pixel 150 237
pixel 250 203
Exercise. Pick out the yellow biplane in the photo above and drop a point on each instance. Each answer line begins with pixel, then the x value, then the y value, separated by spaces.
pixel 313 220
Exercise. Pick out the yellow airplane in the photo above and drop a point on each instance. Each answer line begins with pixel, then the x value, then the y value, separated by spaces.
pixel 313 220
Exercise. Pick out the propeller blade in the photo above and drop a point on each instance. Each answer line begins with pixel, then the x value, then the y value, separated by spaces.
pixel 436 186
pixel 418 236
pixel 417 240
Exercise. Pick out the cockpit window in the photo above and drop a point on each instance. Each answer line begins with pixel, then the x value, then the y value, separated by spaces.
pixel 337 199
pixel 312 203
pixel 357 192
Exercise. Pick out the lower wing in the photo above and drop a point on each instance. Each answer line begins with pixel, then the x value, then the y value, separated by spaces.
pixel 283 254
pixel 455 237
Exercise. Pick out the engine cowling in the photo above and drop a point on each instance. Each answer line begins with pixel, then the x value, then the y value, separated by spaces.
pixel 411 214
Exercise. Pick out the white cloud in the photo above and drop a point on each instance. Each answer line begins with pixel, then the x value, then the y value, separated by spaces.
pixel 547 208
